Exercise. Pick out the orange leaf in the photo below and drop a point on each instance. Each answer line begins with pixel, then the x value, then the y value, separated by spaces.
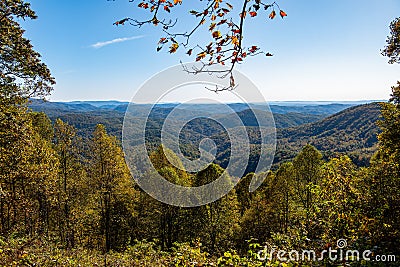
pixel 163 40
pixel 242 15
pixel 272 15
pixel 166 8
pixel 253 13
pixel 173 48
pixel 282 13
pixel 235 40
pixel 201 56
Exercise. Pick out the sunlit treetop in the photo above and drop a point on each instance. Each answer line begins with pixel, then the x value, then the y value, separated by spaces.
pixel 223 20
pixel 392 49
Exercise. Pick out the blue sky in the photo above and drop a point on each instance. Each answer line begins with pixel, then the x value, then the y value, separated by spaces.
pixel 323 50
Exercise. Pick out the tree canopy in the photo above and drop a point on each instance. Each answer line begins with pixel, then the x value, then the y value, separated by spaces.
pixel 392 49
pixel 22 73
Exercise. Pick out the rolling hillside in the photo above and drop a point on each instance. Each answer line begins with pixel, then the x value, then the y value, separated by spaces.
pixel 352 131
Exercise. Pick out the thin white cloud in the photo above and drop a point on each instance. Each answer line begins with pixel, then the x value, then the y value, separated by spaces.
pixel 114 41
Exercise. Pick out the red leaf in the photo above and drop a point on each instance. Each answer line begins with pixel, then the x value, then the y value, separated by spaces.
pixel 253 13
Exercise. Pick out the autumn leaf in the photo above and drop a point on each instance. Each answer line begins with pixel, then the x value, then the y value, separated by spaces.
pixel 226 11
pixel 216 34
pixel 272 15
pixel 121 22
pixel 253 13
pixel 213 17
pixel 189 52
pixel 282 13
pixel 253 49
pixel 229 5
pixel 177 2
pixel 243 15
pixel 173 48
pixel 201 56
pixel 143 5
pixel 163 40
pixel 269 54
pixel 212 26
pixel 221 22
pixel 235 40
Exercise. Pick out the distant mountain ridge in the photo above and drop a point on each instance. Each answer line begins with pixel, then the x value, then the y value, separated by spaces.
pixel 332 127
pixel 308 107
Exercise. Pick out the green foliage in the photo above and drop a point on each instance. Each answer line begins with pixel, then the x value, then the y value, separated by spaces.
pixel 392 49
pixel 28 167
pixel 18 59
pixel 217 223
pixel 341 195
pixel 113 195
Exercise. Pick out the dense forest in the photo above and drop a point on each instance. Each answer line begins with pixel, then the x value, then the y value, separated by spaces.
pixel 352 131
pixel 70 200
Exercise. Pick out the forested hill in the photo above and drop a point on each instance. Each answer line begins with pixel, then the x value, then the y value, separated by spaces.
pixel 352 131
